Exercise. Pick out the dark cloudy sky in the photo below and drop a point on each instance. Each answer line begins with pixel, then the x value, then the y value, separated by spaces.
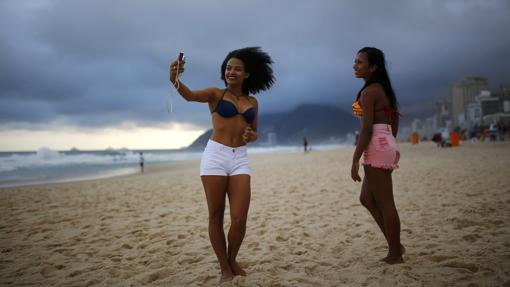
pixel 100 67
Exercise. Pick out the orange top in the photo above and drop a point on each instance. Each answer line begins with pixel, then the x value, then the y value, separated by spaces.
pixel 357 109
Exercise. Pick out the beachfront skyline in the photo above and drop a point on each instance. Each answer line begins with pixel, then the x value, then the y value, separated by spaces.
pixel 93 74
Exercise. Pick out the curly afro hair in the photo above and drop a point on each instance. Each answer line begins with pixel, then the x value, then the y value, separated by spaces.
pixel 258 64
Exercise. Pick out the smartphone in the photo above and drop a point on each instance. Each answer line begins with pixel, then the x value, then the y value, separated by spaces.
pixel 181 56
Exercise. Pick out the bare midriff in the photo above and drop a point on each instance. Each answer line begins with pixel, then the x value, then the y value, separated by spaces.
pixel 228 131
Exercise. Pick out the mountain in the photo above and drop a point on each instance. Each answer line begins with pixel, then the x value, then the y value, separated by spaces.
pixel 201 141
pixel 318 123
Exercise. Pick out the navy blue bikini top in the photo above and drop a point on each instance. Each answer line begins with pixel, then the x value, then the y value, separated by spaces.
pixel 227 109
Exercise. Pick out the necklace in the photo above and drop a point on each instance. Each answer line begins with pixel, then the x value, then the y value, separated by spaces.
pixel 236 97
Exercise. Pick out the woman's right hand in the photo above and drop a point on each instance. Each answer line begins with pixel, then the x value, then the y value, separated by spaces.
pixel 355 171
pixel 173 70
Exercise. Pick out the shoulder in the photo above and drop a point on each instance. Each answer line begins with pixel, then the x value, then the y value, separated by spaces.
pixel 216 92
pixel 253 100
pixel 373 89
pixel 371 92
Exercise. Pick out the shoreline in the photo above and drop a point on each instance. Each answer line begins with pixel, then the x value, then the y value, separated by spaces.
pixel 116 172
pixel 120 172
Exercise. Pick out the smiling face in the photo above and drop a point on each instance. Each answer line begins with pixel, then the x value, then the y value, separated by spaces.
pixel 362 68
pixel 235 73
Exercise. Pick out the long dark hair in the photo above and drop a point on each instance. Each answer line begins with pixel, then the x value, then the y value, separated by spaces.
pixel 258 64
pixel 380 75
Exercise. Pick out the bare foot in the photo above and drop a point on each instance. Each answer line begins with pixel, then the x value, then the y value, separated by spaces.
pixel 226 277
pixel 236 269
pixel 402 251
pixel 394 259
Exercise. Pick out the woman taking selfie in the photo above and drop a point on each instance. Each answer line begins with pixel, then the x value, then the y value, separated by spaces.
pixel 224 168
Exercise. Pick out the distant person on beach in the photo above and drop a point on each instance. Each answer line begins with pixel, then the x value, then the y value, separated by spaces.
pixel 376 104
pixel 224 168
pixel 141 162
pixel 305 144
pixel 437 138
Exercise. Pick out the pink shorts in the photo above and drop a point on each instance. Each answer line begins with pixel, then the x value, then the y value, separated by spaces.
pixel 382 151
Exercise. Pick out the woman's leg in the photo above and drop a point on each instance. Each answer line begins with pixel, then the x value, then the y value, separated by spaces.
pixel 379 184
pixel 215 190
pixel 239 194
pixel 368 201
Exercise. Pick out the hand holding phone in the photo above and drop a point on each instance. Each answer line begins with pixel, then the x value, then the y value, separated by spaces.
pixel 177 67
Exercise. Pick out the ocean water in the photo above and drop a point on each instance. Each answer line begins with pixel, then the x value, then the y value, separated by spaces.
pixel 50 166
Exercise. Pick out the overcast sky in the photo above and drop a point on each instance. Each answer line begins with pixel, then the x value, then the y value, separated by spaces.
pixel 89 66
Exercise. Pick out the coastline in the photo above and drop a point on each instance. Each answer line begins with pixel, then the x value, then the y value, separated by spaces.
pixel 84 170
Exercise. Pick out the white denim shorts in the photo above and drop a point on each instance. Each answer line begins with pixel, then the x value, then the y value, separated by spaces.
pixel 219 159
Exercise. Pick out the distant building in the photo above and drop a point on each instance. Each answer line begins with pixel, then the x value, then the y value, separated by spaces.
pixel 503 93
pixel 472 107
pixel 429 127
pixel 462 93
pixel 416 125
pixel 444 113
pixel 474 113
pixel 496 107
pixel 490 105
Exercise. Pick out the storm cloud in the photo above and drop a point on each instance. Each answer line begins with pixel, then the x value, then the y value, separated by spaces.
pixel 103 63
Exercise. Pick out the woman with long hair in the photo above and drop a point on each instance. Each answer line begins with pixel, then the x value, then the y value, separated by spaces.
pixel 377 106
pixel 224 168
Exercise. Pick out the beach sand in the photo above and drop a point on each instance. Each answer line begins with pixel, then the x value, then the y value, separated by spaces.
pixel 306 226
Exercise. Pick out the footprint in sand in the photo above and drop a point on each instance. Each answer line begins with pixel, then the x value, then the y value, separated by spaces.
pixel 47 271
pixel 498 222
pixel 160 274
pixel 75 273
pixel 285 267
pixel 126 246
pixel 431 245
pixel 455 264
pixel 439 258
pixel 463 223
pixel 191 259
pixel 116 259
pixel 471 237
pixel 299 252
pixel 310 269
pixel 253 245
pixel 281 238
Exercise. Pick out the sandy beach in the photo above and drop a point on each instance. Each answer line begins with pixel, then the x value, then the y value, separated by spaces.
pixel 306 226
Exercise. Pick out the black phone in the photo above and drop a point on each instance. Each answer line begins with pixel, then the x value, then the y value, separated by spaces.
pixel 181 56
